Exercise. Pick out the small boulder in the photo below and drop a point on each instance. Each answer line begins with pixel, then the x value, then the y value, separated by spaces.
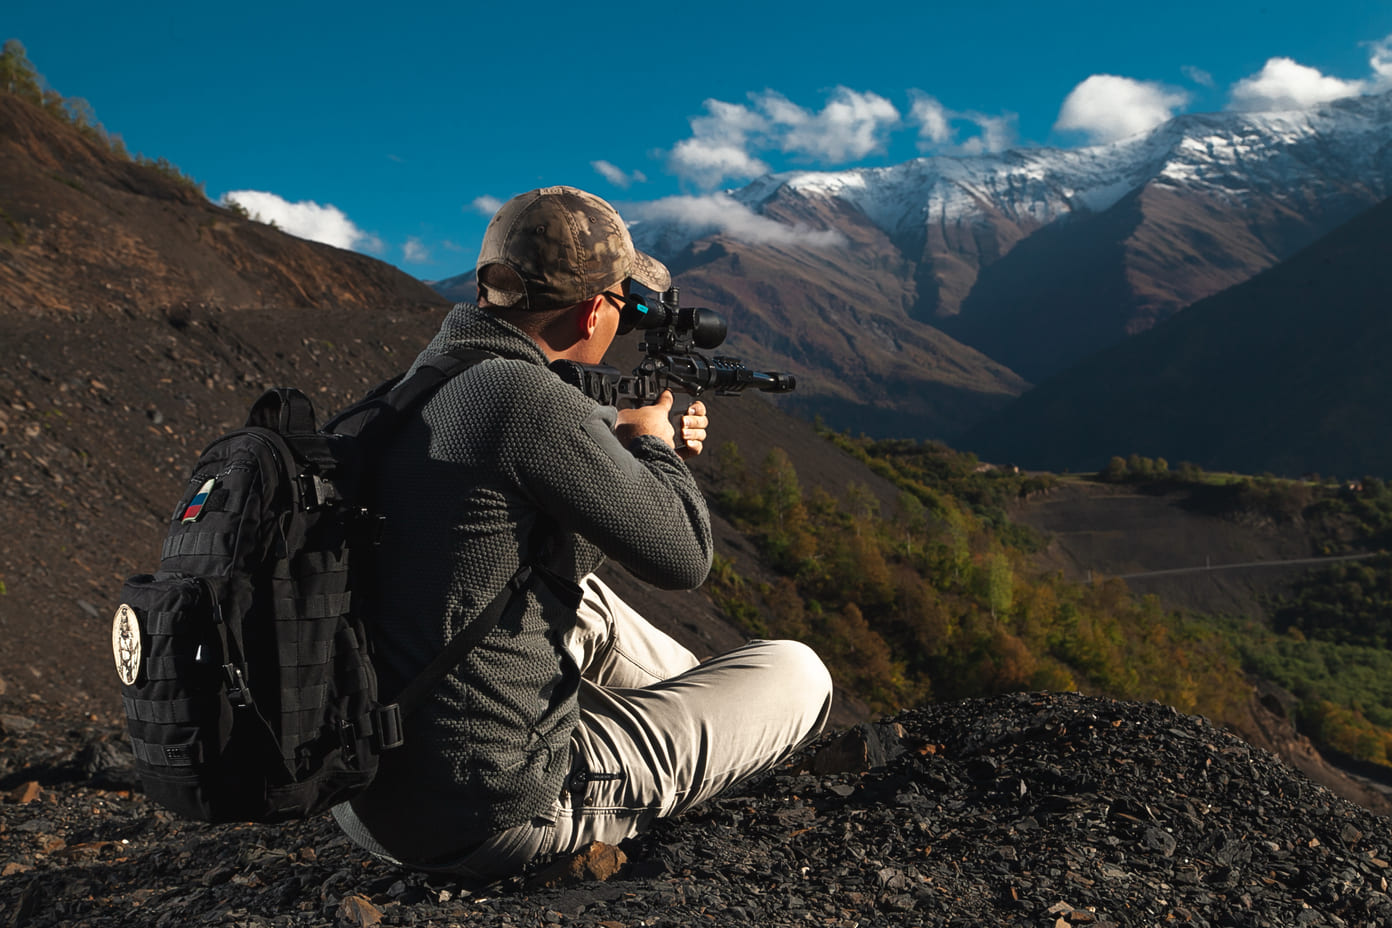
pixel 595 863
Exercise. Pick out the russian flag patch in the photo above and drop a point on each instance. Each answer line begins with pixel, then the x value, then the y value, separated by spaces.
pixel 195 506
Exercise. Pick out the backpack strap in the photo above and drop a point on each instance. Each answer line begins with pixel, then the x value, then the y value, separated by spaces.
pixel 388 728
pixel 283 409
pixel 376 416
pixel 432 375
pixel 388 718
pixel 460 646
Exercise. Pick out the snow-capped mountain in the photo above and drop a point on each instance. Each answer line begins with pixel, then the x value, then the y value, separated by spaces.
pixel 1038 257
pixel 1343 144
pixel 1227 155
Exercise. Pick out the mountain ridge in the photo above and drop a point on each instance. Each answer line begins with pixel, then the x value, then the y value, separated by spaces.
pixel 1199 204
pixel 1044 184
pixel 919 299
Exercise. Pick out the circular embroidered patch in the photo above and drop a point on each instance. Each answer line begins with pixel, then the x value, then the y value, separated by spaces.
pixel 125 644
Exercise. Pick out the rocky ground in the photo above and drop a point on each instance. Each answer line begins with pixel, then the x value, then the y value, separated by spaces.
pixel 1031 809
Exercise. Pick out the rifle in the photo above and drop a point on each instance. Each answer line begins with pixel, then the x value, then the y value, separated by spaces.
pixel 671 335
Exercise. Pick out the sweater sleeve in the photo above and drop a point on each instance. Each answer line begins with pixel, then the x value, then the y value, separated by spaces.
pixel 640 505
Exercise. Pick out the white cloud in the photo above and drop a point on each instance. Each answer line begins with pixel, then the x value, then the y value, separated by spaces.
pixel 1108 107
pixel 707 163
pixel 932 119
pixel 1197 75
pixel 485 204
pixel 616 175
pixel 1381 62
pixel 726 141
pixel 305 219
pixel 719 212
pixel 937 132
pixel 995 133
pixel 719 146
pixel 851 125
pixel 1285 84
pixel 415 251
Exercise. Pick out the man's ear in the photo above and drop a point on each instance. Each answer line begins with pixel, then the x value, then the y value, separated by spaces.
pixel 587 316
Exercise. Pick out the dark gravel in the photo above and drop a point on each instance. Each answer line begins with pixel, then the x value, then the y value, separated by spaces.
pixel 1032 809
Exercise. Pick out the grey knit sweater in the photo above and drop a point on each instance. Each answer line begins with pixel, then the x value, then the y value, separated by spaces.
pixel 502 455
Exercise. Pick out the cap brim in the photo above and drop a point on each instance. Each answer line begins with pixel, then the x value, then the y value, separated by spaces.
pixel 651 272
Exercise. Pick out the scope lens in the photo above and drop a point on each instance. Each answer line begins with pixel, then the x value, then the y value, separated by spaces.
pixel 707 327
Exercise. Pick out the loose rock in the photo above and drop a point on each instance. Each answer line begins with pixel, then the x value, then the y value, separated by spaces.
pixel 1029 810
pixel 357 911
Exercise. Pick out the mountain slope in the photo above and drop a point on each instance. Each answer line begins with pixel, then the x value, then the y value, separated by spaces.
pixel 838 318
pixel 1285 373
pixel 1228 195
pixel 84 230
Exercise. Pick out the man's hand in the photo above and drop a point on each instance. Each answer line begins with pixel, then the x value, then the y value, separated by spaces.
pixel 654 420
pixel 693 430
pixel 647 420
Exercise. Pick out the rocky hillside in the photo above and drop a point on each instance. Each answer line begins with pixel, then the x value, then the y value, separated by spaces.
pixel 839 317
pixel 84 230
pixel 1032 809
pixel 138 320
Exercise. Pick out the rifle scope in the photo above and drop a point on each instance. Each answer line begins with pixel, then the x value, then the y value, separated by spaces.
pixel 682 328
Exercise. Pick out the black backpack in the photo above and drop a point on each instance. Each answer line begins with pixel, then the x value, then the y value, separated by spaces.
pixel 245 661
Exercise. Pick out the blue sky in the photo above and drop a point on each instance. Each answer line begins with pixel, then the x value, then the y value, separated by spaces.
pixel 392 128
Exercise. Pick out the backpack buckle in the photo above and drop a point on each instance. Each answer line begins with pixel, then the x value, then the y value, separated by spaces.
pixel 348 743
pixel 376 527
pixel 315 491
pixel 386 728
pixel 237 690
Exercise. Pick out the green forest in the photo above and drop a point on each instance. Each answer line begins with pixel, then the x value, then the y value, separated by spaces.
pixel 936 597
pixel 1328 640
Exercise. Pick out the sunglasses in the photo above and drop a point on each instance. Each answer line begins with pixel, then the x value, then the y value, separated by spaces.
pixel 633 312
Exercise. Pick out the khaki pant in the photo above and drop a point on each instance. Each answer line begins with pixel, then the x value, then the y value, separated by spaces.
pixel 659 732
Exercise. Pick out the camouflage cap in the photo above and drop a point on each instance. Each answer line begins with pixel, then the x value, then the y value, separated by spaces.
pixel 563 245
